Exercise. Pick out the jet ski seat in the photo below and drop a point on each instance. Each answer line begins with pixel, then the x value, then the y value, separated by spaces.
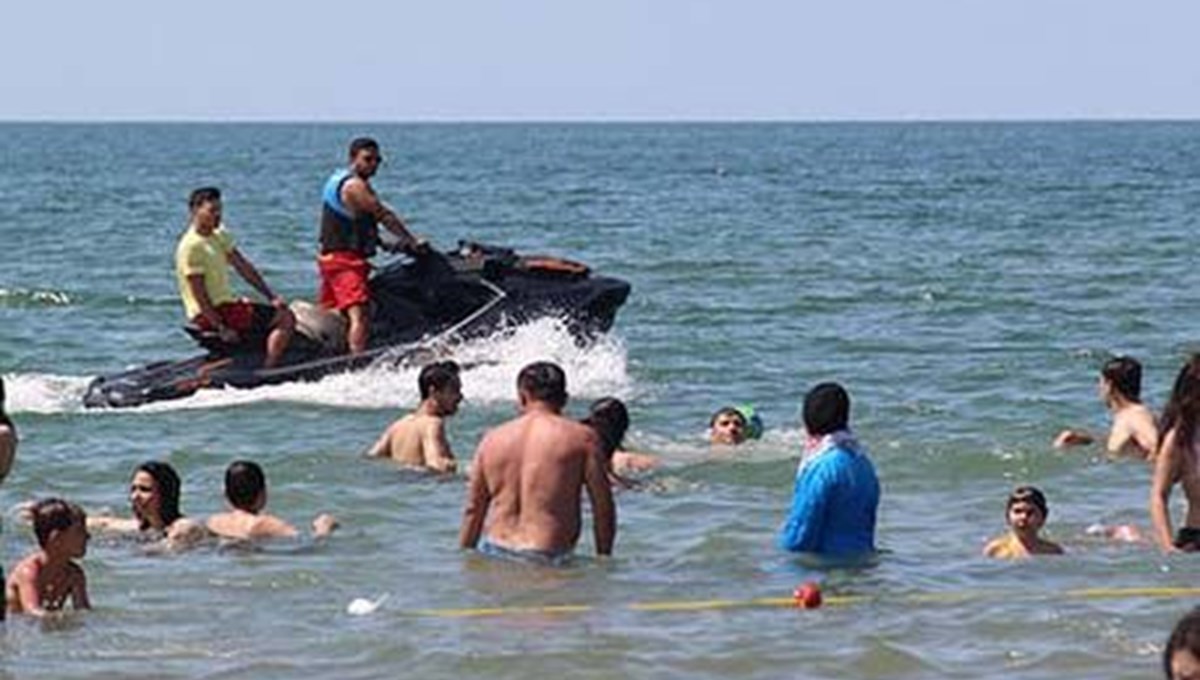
pixel 326 328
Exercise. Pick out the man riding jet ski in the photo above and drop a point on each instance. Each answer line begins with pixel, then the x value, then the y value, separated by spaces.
pixel 417 307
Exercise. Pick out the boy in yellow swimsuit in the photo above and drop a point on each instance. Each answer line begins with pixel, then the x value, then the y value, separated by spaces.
pixel 1025 514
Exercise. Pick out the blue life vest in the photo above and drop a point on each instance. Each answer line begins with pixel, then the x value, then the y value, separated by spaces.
pixel 340 230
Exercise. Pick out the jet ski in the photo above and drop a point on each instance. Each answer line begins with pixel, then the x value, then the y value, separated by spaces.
pixel 420 306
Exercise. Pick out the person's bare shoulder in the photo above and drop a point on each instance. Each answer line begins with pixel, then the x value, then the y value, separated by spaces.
pixel 270 526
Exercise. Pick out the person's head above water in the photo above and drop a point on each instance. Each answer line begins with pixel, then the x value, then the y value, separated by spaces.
pixel 365 157
pixel 59 523
pixel 154 495
pixel 245 486
pixel 1121 377
pixel 542 382
pixel 1026 509
pixel 727 426
pixel 439 381
pixel 610 419
pixel 1181 655
pixel 826 409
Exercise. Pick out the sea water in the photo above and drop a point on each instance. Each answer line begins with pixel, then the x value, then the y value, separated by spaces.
pixel 963 281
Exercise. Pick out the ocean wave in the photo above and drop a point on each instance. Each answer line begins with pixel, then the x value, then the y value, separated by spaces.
pixel 24 297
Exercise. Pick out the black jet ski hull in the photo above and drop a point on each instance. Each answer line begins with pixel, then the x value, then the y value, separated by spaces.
pixel 417 306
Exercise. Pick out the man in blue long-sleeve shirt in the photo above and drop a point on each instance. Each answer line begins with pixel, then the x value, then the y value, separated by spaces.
pixel 836 493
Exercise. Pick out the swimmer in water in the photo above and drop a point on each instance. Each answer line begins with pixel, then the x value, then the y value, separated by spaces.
pixel 733 425
pixel 1176 462
pixel 48 577
pixel 610 419
pixel 154 501
pixel 1134 430
pixel 1181 654
pixel 419 439
pixel 1025 514
pixel 246 493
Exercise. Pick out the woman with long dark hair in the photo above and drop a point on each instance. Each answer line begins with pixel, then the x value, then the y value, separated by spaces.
pixel 1176 461
pixel 154 500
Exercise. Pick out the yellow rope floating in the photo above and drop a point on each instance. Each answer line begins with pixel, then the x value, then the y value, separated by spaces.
pixel 668 606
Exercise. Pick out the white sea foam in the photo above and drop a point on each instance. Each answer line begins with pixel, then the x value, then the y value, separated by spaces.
pixel 491 366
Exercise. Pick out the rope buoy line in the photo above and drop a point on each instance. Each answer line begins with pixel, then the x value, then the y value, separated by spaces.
pixel 950 597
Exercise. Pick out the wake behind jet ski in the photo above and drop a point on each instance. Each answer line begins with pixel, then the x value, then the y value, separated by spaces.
pixel 417 306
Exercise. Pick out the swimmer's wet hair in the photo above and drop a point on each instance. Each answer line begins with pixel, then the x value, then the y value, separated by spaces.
pixel 1185 637
pixel 55 514
pixel 4 419
pixel 544 381
pixel 1125 375
pixel 203 195
pixel 362 144
pixel 244 481
pixel 167 483
pixel 727 411
pixel 610 419
pixel 826 409
pixel 436 376
pixel 1028 494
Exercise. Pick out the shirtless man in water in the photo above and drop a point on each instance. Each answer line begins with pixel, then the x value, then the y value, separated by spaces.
pixel 1176 462
pixel 419 438
pixel 1134 430
pixel 528 475
pixel 246 493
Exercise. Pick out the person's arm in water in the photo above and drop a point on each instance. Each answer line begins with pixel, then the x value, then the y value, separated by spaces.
pixel 323 525
pixel 476 507
pixel 1166 473
pixel 599 490
pixel 208 310
pixel 1068 438
pixel 24 579
pixel 435 448
pixel 79 592
pixel 382 448
pixel 359 196
pixel 805 526
pixel 250 273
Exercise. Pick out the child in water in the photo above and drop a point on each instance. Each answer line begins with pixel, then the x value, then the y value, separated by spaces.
pixel 1025 514
pixel 44 580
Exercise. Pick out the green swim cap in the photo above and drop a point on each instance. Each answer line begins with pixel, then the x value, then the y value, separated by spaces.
pixel 754 424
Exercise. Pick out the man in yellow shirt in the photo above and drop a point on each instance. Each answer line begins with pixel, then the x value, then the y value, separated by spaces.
pixel 202 269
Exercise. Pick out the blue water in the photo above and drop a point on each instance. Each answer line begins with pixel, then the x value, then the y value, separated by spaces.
pixel 964 281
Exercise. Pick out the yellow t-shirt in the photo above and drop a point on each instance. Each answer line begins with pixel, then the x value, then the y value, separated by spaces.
pixel 207 255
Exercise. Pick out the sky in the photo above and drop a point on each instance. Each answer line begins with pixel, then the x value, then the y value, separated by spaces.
pixel 543 60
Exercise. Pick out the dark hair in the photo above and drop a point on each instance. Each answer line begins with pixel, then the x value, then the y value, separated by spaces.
pixel 436 376
pixel 727 411
pixel 362 144
pixel 545 382
pixel 54 514
pixel 166 480
pixel 244 481
pixel 1028 494
pixel 826 409
pixel 1125 375
pixel 1182 411
pixel 4 419
pixel 1185 637
pixel 203 195
pixel 610 419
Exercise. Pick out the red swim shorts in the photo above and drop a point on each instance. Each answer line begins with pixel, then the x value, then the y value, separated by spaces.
pixel 343 280
pixel 249 319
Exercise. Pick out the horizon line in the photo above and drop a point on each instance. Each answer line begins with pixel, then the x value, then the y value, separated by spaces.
pixel 184 120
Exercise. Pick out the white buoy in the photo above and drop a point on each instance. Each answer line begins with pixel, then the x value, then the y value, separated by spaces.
pixel 361 606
